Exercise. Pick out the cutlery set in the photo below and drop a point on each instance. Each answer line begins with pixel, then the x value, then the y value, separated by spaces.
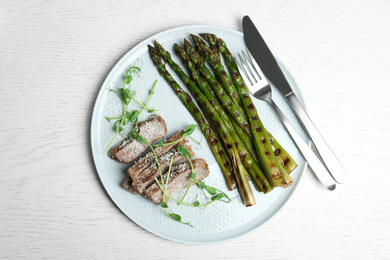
pixel 257 65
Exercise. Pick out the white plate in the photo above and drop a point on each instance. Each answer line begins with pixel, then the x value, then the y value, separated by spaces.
pixel 218 222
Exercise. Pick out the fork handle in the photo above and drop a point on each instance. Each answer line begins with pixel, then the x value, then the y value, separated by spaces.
pixel 314 162
pixel 326 155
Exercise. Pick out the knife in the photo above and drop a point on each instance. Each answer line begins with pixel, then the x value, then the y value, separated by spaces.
pixel 273 72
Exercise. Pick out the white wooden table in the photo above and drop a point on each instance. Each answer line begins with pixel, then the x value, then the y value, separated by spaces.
pixel 54 58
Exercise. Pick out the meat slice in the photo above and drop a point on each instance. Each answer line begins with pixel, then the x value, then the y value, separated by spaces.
pixel 130 149
pixel 178 180
pixel 127 185
pixel 148 159
pixel 145 161
pixel 147 177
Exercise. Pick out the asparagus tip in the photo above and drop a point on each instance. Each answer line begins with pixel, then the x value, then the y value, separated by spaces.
pixel 207 35
pixel 152 50
pixel 204 35
pixel 186 42
pixel 177 47
pixel 195 37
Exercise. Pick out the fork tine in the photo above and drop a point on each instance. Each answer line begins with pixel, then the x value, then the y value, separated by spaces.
pixel 250 61
pixel 243 71
pixel 255 65
pixel 250 68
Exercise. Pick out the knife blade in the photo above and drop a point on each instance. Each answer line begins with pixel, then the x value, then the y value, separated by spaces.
pixel 271 69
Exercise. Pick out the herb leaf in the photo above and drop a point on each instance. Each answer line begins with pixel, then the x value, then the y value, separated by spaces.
pixel 175 216
pixel 164 205
pixel 178 219
pixel 117 126
pixel 160 144
pixel 134 115
pixel 211 190
pixel 181 149
pixel 125 98
pixel 217 197
pixel 141 139
pixel 201 185
pixel 192 176
pixel 128 79
pixel 190 129
pixel 133 135
pixel 119 95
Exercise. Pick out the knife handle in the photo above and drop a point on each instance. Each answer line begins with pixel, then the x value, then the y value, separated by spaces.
pixel 314 162
pixel 328 158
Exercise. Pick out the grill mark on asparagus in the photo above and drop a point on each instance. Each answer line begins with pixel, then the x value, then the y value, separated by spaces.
pixel 251 106
pixel 286 161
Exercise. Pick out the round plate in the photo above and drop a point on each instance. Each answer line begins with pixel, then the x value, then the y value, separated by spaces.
pixel 219 221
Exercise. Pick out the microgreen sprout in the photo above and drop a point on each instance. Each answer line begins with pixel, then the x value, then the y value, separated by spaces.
pixel 166 183
pixel 211 190
pixel 163 181
pixel 126 95
pixel 186 133
pixel 181 149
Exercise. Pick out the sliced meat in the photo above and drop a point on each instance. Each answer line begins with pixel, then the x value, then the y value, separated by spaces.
pixel 147 177
pixel 127 186
pixel 130 149
pixel 178 180
pixel 145 161
pixel 148 159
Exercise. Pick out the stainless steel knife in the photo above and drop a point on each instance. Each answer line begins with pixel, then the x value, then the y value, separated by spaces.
pixel 273 72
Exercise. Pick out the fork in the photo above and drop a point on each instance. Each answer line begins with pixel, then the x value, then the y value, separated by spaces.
pixel 260 88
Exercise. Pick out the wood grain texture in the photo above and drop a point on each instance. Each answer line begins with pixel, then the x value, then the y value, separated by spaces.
pixel 54 58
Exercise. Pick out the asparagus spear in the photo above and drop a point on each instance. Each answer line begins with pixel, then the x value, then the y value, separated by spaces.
pixel 216 147
pixel 209 93
pixel 239 169
pixel 244 136
pixel 247 139
pixel 203 85
pixel 249 162
pixel 214 48
pixel 226 101
pixel 274 171
pixel 218 68
pixel 217 43
pixel 283 158
pixel 281 155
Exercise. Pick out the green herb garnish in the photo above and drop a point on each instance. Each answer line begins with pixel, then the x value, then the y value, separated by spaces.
pixel 216 194
pixel 186 133
pixel 126 95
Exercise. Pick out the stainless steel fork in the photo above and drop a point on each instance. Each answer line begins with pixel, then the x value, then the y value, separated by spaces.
pixel 259 87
